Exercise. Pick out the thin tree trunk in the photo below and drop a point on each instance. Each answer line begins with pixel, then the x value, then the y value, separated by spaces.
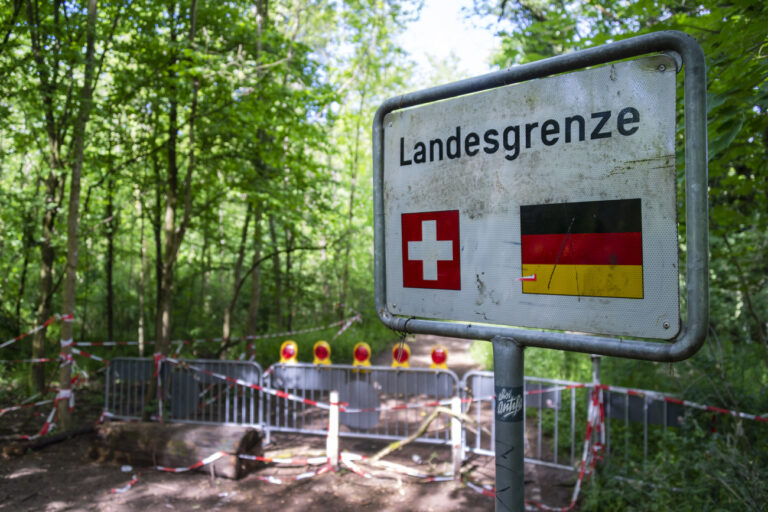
pixel 351 212
pixel 109 263
pixel 205 266
pixel 226 329
pixel 78 134
pixel 288 267
pixel 142 255
pixel 28 244
pixel 759 324
pixel 53 187
pixel 173 233
pixel 253 307
pixel 54 184
pixel 277 272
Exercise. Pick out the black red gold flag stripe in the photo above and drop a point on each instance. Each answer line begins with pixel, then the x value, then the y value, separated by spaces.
pixel 591 248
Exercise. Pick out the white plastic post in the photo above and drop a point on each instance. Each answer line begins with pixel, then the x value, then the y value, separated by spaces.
pixel 456 437
pixel 332 443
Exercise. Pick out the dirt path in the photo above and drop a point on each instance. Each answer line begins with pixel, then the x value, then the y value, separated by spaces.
pixel 63 477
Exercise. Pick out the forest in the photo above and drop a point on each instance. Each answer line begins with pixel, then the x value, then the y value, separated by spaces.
pixel 183 169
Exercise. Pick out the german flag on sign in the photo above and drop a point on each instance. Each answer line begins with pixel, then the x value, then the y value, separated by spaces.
pixel 592 248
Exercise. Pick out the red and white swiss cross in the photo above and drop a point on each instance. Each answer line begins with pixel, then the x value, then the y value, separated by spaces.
pixel 431 250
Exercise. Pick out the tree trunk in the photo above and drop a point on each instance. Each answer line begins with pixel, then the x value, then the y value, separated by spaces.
pixel 253 307
pixel 178 445
pixel 78 140
pixel 109 263
pixel 173 233
pixel 288 267
pixel 142 256
pixel 277 273
pixel 351 213
pixel 47 255
pixel 226 329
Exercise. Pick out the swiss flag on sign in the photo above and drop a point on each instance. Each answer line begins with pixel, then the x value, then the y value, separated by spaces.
pixel 431 250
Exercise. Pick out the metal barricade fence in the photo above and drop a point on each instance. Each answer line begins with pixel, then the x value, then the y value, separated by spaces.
pixel 196 397
pixel 382 402
pixel 126 386
pixel 632 415
pixel 189 396
pixel 390 403
pixel 555 430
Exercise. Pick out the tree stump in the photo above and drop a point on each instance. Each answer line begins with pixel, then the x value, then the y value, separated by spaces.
pixel 177 445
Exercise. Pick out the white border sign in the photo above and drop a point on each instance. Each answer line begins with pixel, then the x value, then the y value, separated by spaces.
pixel 548 204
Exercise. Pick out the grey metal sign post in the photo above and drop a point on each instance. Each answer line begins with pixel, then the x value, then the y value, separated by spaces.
pixel 544 197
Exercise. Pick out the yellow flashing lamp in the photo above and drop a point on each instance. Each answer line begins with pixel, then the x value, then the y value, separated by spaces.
pixel 288 352
pixel 322 352
pixel 401 356
pixel 361 354
pixel 439 357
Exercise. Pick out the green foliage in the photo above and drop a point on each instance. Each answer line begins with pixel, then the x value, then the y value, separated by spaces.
pixel 482 354
pixel 691 469
pixel 266 106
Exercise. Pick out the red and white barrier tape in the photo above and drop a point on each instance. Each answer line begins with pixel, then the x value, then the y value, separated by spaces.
pixel 284 480
pixel 293 461
pixel 355 468
pixel 54 318
pixel 23 406
pixel 660 396
pixel 32 360
pixel 349 322
pixel 591 452
pixel 127 487
pixel 180 343
pixel 240 382
pixel 211 458
pixel 103 343
pixel 296 398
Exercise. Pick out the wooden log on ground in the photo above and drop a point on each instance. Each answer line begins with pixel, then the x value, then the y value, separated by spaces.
pixel 177 445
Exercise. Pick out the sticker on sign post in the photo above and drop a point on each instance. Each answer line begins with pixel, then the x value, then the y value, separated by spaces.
pixel 509 404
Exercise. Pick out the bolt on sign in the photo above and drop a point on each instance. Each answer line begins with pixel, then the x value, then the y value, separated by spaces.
pixel 549 204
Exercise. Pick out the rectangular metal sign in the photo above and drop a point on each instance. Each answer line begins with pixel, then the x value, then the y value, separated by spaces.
pixel 548 204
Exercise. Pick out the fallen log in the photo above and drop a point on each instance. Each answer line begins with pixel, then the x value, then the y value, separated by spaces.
pixel 178 445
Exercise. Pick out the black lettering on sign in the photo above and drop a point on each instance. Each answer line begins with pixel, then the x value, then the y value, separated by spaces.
pixel 569 129
pixel 603 116
pixel 491 144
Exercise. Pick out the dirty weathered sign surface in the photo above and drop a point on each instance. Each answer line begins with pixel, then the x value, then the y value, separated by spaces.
pixel 547 204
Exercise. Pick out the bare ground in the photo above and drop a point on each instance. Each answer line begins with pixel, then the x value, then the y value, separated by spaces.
pixel 63 477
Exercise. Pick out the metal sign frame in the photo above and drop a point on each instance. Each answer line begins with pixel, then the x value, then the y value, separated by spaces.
pixel 694 328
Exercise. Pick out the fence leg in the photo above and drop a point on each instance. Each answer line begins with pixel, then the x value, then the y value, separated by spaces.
pixel 508 420
pixel 456 437
pixel 332 443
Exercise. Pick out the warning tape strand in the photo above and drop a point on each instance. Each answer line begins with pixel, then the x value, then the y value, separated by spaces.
pixel 590 454
pixel 23 406
pixel 127 487
pixel 687 403
pixel 211 458
pixel 54 318
pixel 345 323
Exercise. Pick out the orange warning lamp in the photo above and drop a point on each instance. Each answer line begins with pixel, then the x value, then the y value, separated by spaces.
pixel 361 354
pixel 288 352
pixel 439 357
pixel 322 351
pixel 401 354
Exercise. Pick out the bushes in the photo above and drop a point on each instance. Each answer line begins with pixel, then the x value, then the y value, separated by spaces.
pixel 693 469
